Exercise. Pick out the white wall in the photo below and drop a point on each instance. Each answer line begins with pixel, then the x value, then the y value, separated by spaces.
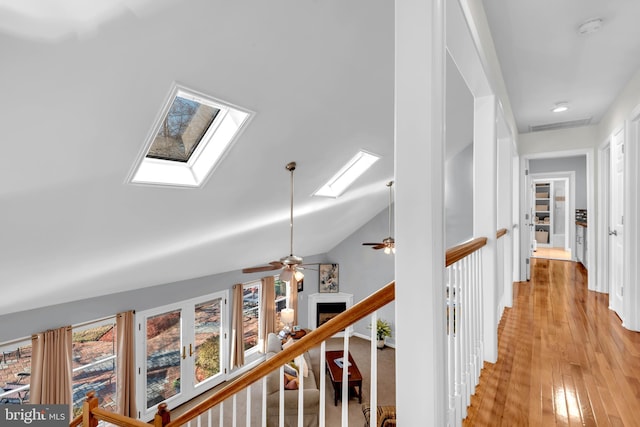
pixel 458 197
pixel 557 140
pixel 364 270
pixel 619 111
pixel 578 164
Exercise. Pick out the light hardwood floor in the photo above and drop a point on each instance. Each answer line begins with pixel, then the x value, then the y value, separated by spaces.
pixel 564 358
pixel 553 253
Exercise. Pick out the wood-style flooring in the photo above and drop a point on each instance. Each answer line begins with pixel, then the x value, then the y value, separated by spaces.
pixel 553 253
pixel 564 358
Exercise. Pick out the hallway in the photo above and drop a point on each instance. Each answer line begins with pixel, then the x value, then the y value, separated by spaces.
pixel 564 358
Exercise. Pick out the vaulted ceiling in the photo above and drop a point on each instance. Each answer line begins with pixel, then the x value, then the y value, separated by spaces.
pixel 82 84
pixel 81 87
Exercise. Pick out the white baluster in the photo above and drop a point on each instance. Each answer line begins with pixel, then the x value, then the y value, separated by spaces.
pixel 450 347
pixel 281 396
pixel 300 391
pixel 248 423
pixel 264 401
pixel 234 411
pixel 221 420
pixel 373 393
pixel 323 367
pixel 345 379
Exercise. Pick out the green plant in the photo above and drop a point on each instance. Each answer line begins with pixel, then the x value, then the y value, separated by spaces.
pixel 383 329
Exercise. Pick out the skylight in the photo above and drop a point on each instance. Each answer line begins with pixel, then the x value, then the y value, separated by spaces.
pixel 190 137
pixel 347 175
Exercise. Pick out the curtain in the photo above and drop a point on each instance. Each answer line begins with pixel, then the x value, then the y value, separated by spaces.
pixel 293 293
pixel 51 367
pixel 268 309
pixel 125 364
pixel 237 327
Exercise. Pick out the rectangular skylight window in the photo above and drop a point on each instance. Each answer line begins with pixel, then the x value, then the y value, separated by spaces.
pixel 188 139
pixel 347 175
pixel 182 130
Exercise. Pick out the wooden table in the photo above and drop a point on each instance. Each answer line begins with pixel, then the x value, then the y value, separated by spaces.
pixel 335 373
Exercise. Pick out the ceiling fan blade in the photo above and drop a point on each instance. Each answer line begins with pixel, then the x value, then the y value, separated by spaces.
pixel 373 244
pixel 380 246
pixel 273 265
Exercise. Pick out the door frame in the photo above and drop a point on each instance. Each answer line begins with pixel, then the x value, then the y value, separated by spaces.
pixel 570 178
pixel 188 388
pixel 524 231
pixel 604 182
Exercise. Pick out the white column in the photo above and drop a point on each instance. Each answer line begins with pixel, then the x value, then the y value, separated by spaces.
pixel 485 215
pixel 419 260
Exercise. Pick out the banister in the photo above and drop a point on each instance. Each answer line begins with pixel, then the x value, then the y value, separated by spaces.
pixel 117 419
pixel 358 311
pixel 76 421
pixel 456 253
pixel 501 233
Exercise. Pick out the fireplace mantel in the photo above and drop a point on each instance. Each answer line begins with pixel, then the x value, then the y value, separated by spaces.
pixel 314 299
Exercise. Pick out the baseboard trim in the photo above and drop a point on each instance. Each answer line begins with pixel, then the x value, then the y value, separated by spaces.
pixel 388 343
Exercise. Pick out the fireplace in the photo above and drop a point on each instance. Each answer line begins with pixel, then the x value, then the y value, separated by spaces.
pixel 328 310
pixel 324 306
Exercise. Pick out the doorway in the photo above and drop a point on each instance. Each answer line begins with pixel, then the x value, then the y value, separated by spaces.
pixel 551 199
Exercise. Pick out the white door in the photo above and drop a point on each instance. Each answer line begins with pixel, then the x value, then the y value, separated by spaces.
pixel 616 224
pixel 530 237
pixel 181 351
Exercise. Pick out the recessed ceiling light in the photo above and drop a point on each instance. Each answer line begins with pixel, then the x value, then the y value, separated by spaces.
pixel 560 107
pixel 347 175
pixel 590 26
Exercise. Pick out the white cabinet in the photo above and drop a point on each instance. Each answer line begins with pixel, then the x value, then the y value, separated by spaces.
pixel 581 244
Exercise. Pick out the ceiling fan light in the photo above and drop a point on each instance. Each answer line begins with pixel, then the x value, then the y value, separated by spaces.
pixel 298 275
pixel 286 275
pixel 387 250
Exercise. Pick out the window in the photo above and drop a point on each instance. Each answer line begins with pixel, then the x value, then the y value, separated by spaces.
pixel 191 135
pixel 251 298
pixel 94 363
pixel 282 300
pixel 15 372
pixel 181 351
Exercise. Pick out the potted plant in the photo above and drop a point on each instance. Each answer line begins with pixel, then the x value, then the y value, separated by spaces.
pixel 383 330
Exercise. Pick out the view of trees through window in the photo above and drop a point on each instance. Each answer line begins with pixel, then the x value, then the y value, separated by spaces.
pixel 94 364
pixel 251 314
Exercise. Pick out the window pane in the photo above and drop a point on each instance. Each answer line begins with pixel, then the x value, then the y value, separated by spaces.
pixel 207 329
pixel 281 301
pixel 163 357
pixel 251 315
pixel 182 129
pixel 15 373
pixel 94 365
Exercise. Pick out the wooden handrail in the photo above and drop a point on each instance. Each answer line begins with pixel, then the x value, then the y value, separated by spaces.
pixel 360 310
pixel 76 421
pixel 501 233
pixel 456 253
pixel 117 419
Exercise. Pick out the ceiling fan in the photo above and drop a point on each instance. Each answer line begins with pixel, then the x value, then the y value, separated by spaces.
pixel 388 244
pixel 291 264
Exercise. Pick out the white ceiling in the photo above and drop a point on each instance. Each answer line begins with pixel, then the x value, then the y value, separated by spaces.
pixel 544 60
pixel 82 83
pixel 80 92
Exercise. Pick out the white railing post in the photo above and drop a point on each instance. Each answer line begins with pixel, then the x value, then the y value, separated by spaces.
pixel 345 379
pixel 323 397
pixel 373 393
